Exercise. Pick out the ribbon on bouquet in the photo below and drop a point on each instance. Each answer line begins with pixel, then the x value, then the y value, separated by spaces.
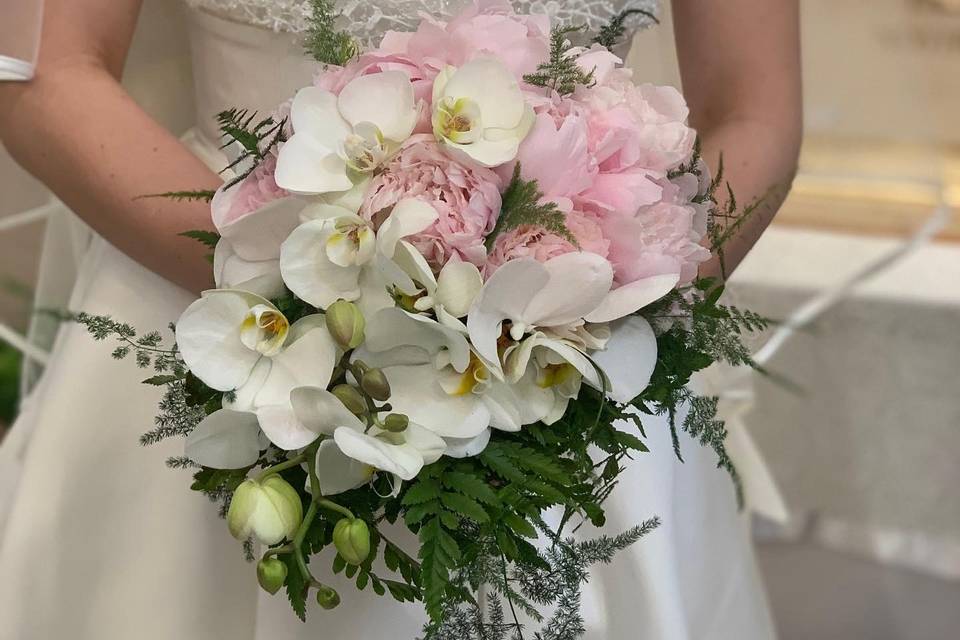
pixel 734 386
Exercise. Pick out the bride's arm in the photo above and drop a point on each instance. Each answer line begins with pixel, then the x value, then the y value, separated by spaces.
pixel 76 129
pixel 740 65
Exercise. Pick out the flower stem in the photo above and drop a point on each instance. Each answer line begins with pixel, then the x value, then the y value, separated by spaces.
pixel 277 468
pixel 333 506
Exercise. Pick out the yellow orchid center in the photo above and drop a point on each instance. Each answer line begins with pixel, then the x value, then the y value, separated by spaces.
pixel 364 150
pixel 351 243
pixel 554 375
pixel 475 375
pixel 264 329
pixel 457 120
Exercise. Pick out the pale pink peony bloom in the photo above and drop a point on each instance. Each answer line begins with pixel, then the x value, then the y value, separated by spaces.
pixel 250 194
pixel 660 239
pixel 466 197
pixel 541 245
pixel 485 27
pixel 555 154
pixel 637 127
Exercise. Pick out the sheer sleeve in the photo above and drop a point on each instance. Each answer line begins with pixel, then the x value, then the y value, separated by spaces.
pixel 19 38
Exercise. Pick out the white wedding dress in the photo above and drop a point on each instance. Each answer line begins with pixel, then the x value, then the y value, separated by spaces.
pixel 100 541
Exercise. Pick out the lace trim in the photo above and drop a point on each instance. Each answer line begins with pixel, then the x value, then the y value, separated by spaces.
pixel 369 20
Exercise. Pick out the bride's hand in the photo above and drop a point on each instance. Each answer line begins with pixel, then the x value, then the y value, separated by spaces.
pixel 740 64
pixel 77 130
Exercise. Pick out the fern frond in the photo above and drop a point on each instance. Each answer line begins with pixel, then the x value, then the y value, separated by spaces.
pixel 256 139
pixel 325 42
pixel 205 195
pixel 521 207
pixel 561 73
pixel 611 33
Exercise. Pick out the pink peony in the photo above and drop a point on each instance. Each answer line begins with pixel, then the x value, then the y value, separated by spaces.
pixel 485 27
pixel 637 127
pixel 466 197
pixel 536 243
pixel 659 239
pixel 250 194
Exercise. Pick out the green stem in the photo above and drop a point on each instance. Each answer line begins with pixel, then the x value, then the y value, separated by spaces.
pixel 333 506
pixel 277 468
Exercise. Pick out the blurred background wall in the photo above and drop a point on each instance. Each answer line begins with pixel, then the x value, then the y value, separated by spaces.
pixel 865 443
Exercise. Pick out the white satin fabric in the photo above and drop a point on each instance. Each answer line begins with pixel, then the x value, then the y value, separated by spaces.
pixel 102 542
pixel 19 38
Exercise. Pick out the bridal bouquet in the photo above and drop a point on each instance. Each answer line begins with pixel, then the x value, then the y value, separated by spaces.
pixel 453 275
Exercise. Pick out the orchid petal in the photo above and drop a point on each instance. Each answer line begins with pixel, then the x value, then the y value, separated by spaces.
pixel 578 283
pixel 208 336
pixel 321 411
pixel 416 392
pixel 490 84
pixel 468 447
pixel 457 287
pixel 281 426
pixel 225 440
pixel 632 297
pixel 408 217
pixel 337 472
pixel 394 327
pixel 400 460
pixel 385 100
pixel 308 271
pixel 314 114
pixel 307 168
pixel 629 359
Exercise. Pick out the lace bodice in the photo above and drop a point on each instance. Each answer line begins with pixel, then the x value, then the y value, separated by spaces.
pixel 368 20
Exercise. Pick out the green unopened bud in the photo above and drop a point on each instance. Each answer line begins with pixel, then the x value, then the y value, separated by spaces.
pixel 271 574
pixel 396 422
pixel 351 399
pixel 269 511
pixel 352 540
pixel 345 323
pixel 375 383
pixel 327 597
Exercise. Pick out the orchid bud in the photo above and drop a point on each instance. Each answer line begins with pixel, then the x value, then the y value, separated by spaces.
pixel 271 574
pixel 396 423
pixel 352 540
pixel 269 511
pixel 350 398
pixel 327 597
pixel 345 323
pixel 375 383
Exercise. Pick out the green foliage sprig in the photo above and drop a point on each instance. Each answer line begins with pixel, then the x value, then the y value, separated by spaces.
pixel 522 207
pixel 202 195
pixel 560 73
pixel 256 138
pixel 325 43
pixel 611 34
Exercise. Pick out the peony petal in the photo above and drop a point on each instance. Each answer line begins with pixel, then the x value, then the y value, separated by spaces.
pixel 337 472
pixel 416 392
pixel 208 336
pixel 457 287
pixel 632 297
pixel 468 447
pixel 629 359
pixel 309 273
pixel 400 460
pixel 315 114
pixel 307 168
pixel 282 428
pixel 225 440
pixel 384 99
pixel 321 411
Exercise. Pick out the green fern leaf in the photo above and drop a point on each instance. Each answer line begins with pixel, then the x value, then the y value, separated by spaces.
pixel 521 207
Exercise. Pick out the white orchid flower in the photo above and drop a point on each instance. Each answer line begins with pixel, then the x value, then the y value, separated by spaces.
pixel 449 295
pixel 338 140
pixel 435 377
pixel 237 341
pixel 534 314
pixel 247 255
pixel 333 255
pixel 479 111
pixel 353 453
